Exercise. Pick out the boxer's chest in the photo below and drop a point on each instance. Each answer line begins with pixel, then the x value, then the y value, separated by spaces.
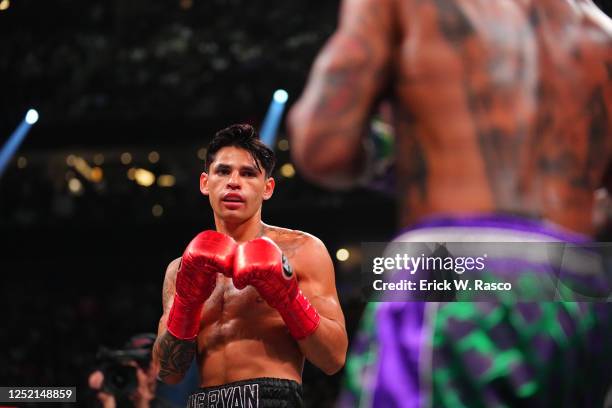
pixel 228 303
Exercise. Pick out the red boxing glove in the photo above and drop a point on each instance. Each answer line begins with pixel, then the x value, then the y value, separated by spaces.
pixel 261 263
pixel 209 253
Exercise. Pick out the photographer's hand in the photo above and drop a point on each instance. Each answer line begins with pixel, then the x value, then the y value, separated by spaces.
pixel 145 392
pixel 95 383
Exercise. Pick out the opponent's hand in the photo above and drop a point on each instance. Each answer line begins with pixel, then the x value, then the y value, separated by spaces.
pixel 209 253
pixel 261 263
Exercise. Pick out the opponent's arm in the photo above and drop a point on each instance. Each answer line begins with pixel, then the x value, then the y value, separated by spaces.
pixel 328 122
pixel 187 285
pixel 313 317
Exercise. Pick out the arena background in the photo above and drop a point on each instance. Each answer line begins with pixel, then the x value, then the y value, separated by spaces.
pixel 84 250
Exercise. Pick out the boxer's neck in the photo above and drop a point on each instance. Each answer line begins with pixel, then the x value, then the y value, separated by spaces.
pixel 242 231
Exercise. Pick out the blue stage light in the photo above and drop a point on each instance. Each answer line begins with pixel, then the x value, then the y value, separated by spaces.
pixel 12 144
pixel 272 121
pixel 281 96
pixel 31 117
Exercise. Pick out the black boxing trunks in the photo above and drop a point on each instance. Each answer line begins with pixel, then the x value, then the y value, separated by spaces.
pixel 255 393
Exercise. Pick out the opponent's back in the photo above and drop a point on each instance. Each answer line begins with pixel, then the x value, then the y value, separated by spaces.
pixel 502 106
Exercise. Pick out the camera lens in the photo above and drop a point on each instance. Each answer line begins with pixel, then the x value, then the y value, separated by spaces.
pixel 120 379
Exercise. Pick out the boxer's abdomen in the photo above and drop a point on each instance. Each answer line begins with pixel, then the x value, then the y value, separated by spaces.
pixel 502 107
pixel 241 337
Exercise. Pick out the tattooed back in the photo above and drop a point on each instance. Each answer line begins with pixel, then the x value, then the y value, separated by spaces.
pixel 501 106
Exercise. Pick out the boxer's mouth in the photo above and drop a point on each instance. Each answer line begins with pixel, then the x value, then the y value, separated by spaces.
pixel 232 198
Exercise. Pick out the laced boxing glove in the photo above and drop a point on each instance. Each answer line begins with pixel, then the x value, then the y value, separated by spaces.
pixel 209 253
pixel 261 264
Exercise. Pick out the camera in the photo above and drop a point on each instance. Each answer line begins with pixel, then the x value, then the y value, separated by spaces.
pixel 119 376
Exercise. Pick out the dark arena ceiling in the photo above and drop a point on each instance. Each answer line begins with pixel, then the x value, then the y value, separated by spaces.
pixel 114 72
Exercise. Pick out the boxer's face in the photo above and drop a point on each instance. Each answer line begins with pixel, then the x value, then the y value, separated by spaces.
pixel 235 185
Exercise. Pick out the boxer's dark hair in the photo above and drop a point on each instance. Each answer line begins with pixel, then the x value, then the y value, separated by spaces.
pixel 245 137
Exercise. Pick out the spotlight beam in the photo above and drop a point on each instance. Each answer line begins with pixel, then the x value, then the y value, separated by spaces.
pixel 16 138
pixel 269 127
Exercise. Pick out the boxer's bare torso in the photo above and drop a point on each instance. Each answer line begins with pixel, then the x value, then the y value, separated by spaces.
pixel 499 106
pixel 241 337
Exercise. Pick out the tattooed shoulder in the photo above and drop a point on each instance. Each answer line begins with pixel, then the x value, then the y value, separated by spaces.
pixel 288 240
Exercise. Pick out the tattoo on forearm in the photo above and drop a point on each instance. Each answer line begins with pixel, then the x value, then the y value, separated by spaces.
pixel 175 355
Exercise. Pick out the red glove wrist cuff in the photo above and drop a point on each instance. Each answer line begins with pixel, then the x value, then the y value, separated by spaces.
pixel 300 316
pixel 184 320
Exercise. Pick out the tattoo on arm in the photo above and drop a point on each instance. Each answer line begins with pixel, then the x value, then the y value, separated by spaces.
pixel 175 355
pixel 168 293
pixel 169 287
pixel 340 86
pixel 346 88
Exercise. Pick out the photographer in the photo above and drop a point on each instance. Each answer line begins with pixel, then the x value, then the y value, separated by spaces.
pixel 127 377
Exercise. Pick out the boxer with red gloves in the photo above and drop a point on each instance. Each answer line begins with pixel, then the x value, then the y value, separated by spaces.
pixel 250 300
